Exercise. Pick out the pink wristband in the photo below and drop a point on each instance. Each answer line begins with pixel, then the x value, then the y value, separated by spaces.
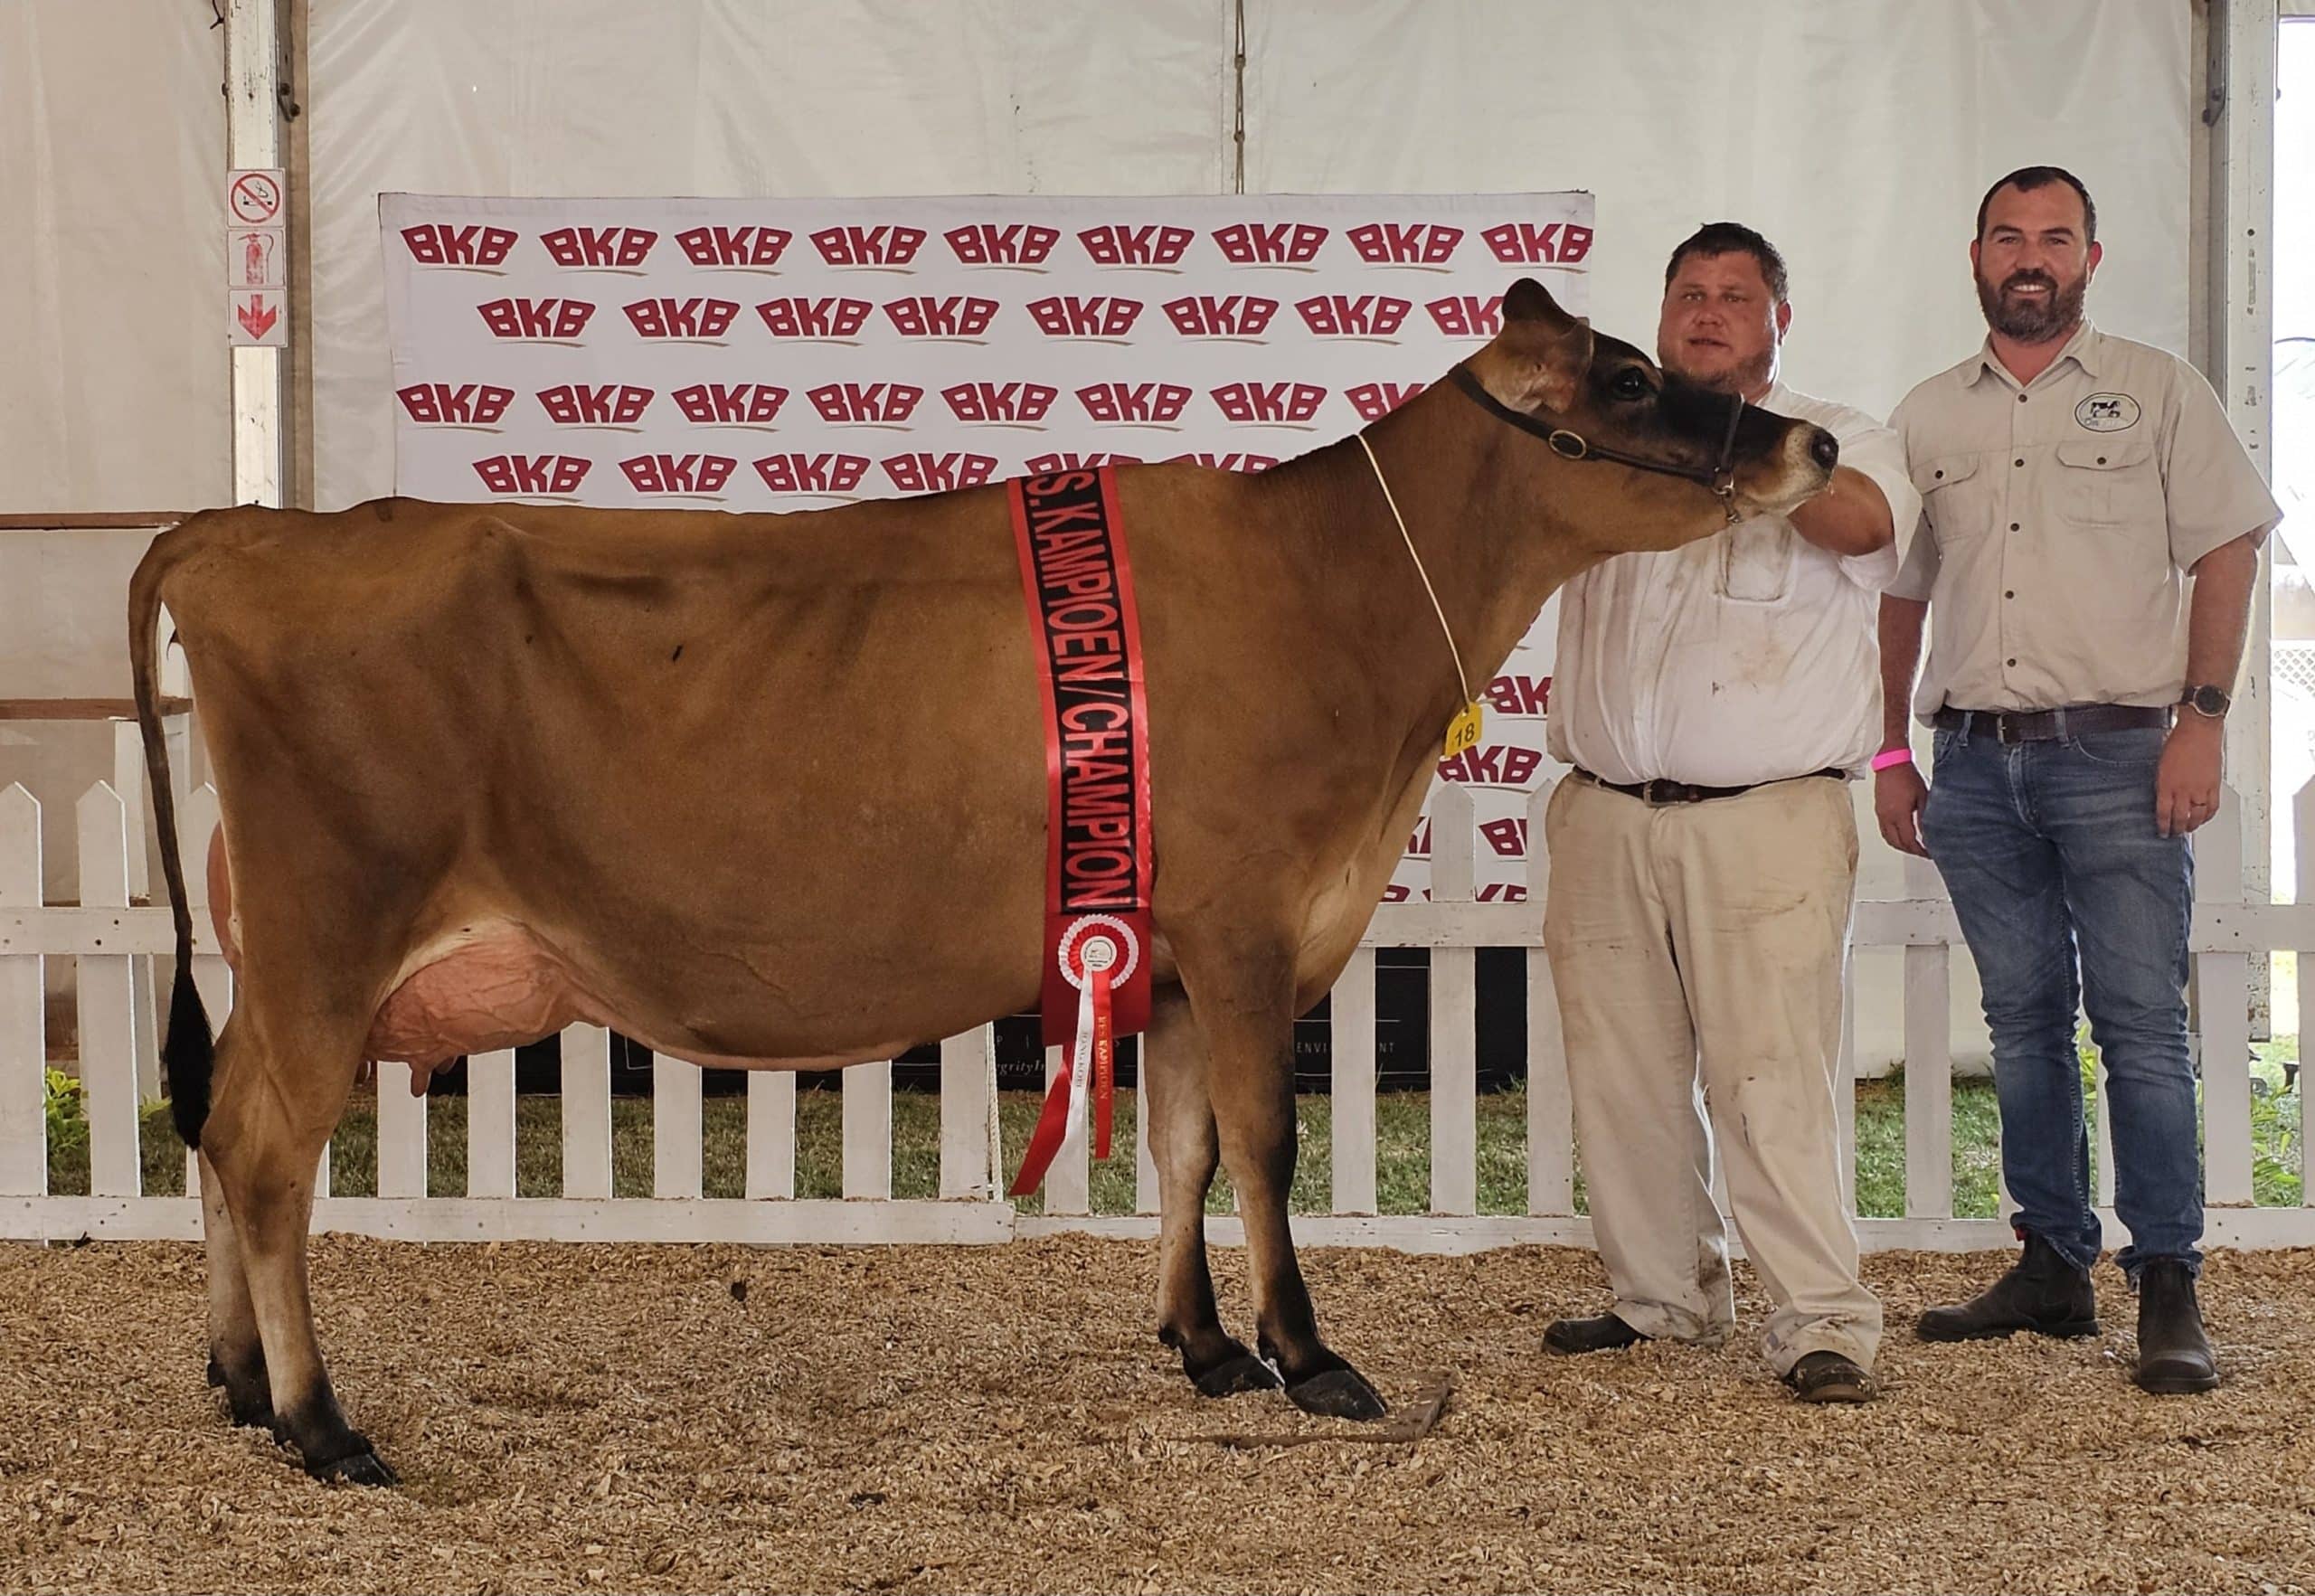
pixel 1891 756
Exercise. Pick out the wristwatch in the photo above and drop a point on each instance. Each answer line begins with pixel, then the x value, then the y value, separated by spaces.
pixel 2207 702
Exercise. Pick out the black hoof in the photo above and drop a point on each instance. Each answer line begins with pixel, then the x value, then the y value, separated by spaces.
pixel 1244 1373
pixel 362 1467
pixel 1339 1394
pixel 250 1401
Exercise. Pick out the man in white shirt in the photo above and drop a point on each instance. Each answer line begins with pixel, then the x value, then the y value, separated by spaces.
pixel 1713 701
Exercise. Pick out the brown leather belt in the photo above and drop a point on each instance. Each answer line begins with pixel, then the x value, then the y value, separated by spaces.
pixel 2042 725
pixel 1660 792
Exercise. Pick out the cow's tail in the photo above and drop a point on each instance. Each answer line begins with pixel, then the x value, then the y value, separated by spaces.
pixel 188 1050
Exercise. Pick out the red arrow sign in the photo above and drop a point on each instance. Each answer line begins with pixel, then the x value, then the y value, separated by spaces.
pixel 257 318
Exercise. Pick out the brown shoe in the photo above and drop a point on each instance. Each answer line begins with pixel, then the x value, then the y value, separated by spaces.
pixel 1829 1378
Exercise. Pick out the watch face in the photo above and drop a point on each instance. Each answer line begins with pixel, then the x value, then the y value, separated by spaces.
pixel 2210 701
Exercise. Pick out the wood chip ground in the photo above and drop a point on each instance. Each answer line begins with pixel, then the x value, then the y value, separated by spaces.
pixel 921 1419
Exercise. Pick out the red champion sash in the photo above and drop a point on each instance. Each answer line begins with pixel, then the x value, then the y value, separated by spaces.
pixel 1078 589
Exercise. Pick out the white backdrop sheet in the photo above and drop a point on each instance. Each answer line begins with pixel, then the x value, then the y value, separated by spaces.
pixel 783 354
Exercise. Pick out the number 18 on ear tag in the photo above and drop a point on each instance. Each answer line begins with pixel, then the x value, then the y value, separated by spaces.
pixel 1463 730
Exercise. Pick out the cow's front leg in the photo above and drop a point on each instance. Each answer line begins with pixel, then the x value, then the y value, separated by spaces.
pixel 1246 1010
pixel 1182 1142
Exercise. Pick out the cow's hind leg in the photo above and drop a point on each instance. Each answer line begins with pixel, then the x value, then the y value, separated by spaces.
pixel 236 1353
pixel 277 1097
pixel 1182 1142
pixel 1244 1000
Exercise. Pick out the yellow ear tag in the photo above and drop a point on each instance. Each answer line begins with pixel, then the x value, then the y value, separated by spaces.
pixel 1463 730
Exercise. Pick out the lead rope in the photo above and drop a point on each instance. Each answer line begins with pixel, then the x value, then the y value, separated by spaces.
pixel 1445 630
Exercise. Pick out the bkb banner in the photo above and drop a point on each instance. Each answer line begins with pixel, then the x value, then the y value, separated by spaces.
pixel 760 354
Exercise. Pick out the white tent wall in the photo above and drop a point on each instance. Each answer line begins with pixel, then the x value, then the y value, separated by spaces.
pixel 1857 133
pixel 112 160
pixel 112 346
pixel 724 98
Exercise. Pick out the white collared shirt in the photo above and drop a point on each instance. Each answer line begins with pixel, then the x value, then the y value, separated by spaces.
pixel 1749 655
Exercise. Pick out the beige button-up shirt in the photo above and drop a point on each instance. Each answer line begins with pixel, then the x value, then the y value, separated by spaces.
pixel 2057 518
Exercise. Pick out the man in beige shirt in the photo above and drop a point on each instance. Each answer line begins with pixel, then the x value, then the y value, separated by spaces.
pixel 2069 478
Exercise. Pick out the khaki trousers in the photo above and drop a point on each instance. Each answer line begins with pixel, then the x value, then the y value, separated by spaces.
pixel 1698 950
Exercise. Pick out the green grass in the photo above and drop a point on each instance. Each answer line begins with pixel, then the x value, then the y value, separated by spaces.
pixel 1403 1154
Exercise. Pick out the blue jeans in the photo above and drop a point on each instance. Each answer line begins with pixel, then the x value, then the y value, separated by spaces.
pixel 2050 851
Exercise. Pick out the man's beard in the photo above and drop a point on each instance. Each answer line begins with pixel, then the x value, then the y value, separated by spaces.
pixel 1739 379
pixel 2025 321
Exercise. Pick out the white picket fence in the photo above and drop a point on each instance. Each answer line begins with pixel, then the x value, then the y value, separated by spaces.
pixel 113 941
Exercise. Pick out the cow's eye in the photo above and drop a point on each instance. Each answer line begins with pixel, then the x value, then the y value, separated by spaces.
pixel 1629 384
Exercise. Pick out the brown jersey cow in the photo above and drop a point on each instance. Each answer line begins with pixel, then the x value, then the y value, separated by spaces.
pixel 770 790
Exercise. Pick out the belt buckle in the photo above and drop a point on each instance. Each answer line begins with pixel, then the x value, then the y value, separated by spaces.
pixel 2009 729
pixel 1663 791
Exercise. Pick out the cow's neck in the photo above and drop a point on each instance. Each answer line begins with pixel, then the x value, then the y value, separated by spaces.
pixel 1493 547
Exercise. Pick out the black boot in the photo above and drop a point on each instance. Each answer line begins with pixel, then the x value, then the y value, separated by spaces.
pixel 2174 1355
pixel 2044 1294
pixel 1604 1333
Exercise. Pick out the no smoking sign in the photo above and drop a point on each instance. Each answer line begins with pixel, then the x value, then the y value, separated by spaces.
pixel 253 195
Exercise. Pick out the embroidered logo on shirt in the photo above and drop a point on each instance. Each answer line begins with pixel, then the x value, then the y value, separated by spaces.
pixel 2107 412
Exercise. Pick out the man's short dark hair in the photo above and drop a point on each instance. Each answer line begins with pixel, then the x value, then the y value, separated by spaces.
pixel 1731 238
pixel 2027 179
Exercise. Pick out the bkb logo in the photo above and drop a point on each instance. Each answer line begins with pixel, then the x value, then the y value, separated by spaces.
pixel 956 316
pixel 1046 465
pixel 866 401
pixel 928 473
pixel 1247 463
pixel 735 246
pixel 470 404
pixel 1270 402
pixel 436 243
pixel 536 320
pixel 1520 696
pixel 612 248
pixel 985 243
pixel 821 474
pixel 729 404
pixel 1394 243
pixel 1374 401
pixel 1120 245
pixel 1494 765
pixel 559 475
pixel 868 246
pixel 1101 315
pixel 1467 316
pixel 814 319
pixel 999 403
pixel 1553 243
pixel 1134 403
pixel 661 474
pixel 1341 315
pixel 612 405
pixel 688 319
pixel 1271 243
pixel 1233 316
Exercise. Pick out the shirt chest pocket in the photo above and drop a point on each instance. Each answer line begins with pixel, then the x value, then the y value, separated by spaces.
pixel 1952 490
pixel 1753 563
pixel 2100 482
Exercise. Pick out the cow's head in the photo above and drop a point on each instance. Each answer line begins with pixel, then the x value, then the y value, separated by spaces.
pixel 1633 459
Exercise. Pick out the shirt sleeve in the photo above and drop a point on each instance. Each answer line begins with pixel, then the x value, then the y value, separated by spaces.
pixel 1875 451
pixel 2212 492
pixel 1916 576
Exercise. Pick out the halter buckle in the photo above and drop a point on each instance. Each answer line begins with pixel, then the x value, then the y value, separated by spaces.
pixel 1574 449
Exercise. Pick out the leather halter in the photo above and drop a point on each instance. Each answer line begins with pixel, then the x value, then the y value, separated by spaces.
pixel 1720 476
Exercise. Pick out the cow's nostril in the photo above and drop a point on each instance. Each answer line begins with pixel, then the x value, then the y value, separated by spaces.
pixel 1825 449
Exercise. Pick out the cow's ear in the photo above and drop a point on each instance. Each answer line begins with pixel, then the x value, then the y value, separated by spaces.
pixel 1556 365
pixel 1529 300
